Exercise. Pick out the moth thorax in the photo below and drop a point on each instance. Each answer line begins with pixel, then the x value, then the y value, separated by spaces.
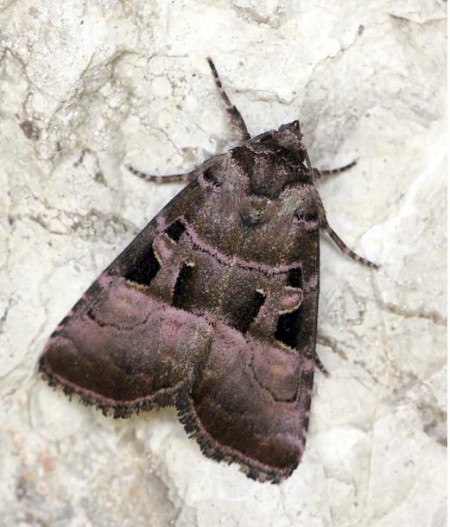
pixel 270 175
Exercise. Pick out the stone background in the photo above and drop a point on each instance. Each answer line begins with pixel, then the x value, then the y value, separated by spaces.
pixel 86 87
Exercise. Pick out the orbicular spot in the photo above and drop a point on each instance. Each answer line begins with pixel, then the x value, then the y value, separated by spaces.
pixel 175 230
pixel 287 327
pixel 294 277
pixel 242 317
pixel 144 268
pixel 181 295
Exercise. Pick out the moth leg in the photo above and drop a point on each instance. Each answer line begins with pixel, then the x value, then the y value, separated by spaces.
pixel 325 226
pixel 319 174
pixel 346 250
pixel 320 366
pixel 159 180
pixel 233 113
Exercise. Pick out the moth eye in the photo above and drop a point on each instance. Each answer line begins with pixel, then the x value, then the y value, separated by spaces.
pixel 181 296
pixel 175 230
pixel 144 268
pixel 266 138
pixel 287 327
pixel 245 314
pixel 294 277
pixel 306 215
pixel 210 177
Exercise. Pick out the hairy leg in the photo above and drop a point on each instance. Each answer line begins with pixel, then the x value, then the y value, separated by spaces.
pixel 325 226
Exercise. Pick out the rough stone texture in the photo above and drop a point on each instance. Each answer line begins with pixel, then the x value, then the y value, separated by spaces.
pixel 86 87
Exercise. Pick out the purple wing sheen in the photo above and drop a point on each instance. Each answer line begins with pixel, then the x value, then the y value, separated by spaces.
pixel 212 308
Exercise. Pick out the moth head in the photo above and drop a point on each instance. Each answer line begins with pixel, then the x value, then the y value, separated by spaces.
pixel 291 130
pixel 290 136
pixel 274 160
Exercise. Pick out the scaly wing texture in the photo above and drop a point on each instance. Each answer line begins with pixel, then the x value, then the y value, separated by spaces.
pixel 201 312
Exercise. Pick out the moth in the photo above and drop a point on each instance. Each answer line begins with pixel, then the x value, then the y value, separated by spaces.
pixel 213 307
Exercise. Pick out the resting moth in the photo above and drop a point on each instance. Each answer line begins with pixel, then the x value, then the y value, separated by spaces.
pixel 213 307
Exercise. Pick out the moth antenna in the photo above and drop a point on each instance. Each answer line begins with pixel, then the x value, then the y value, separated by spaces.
pixel 234 115
pixel 319 174
pixel 308 162
pixel 162 180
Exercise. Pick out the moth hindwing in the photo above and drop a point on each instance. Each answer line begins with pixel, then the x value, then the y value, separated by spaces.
pixel 213 307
